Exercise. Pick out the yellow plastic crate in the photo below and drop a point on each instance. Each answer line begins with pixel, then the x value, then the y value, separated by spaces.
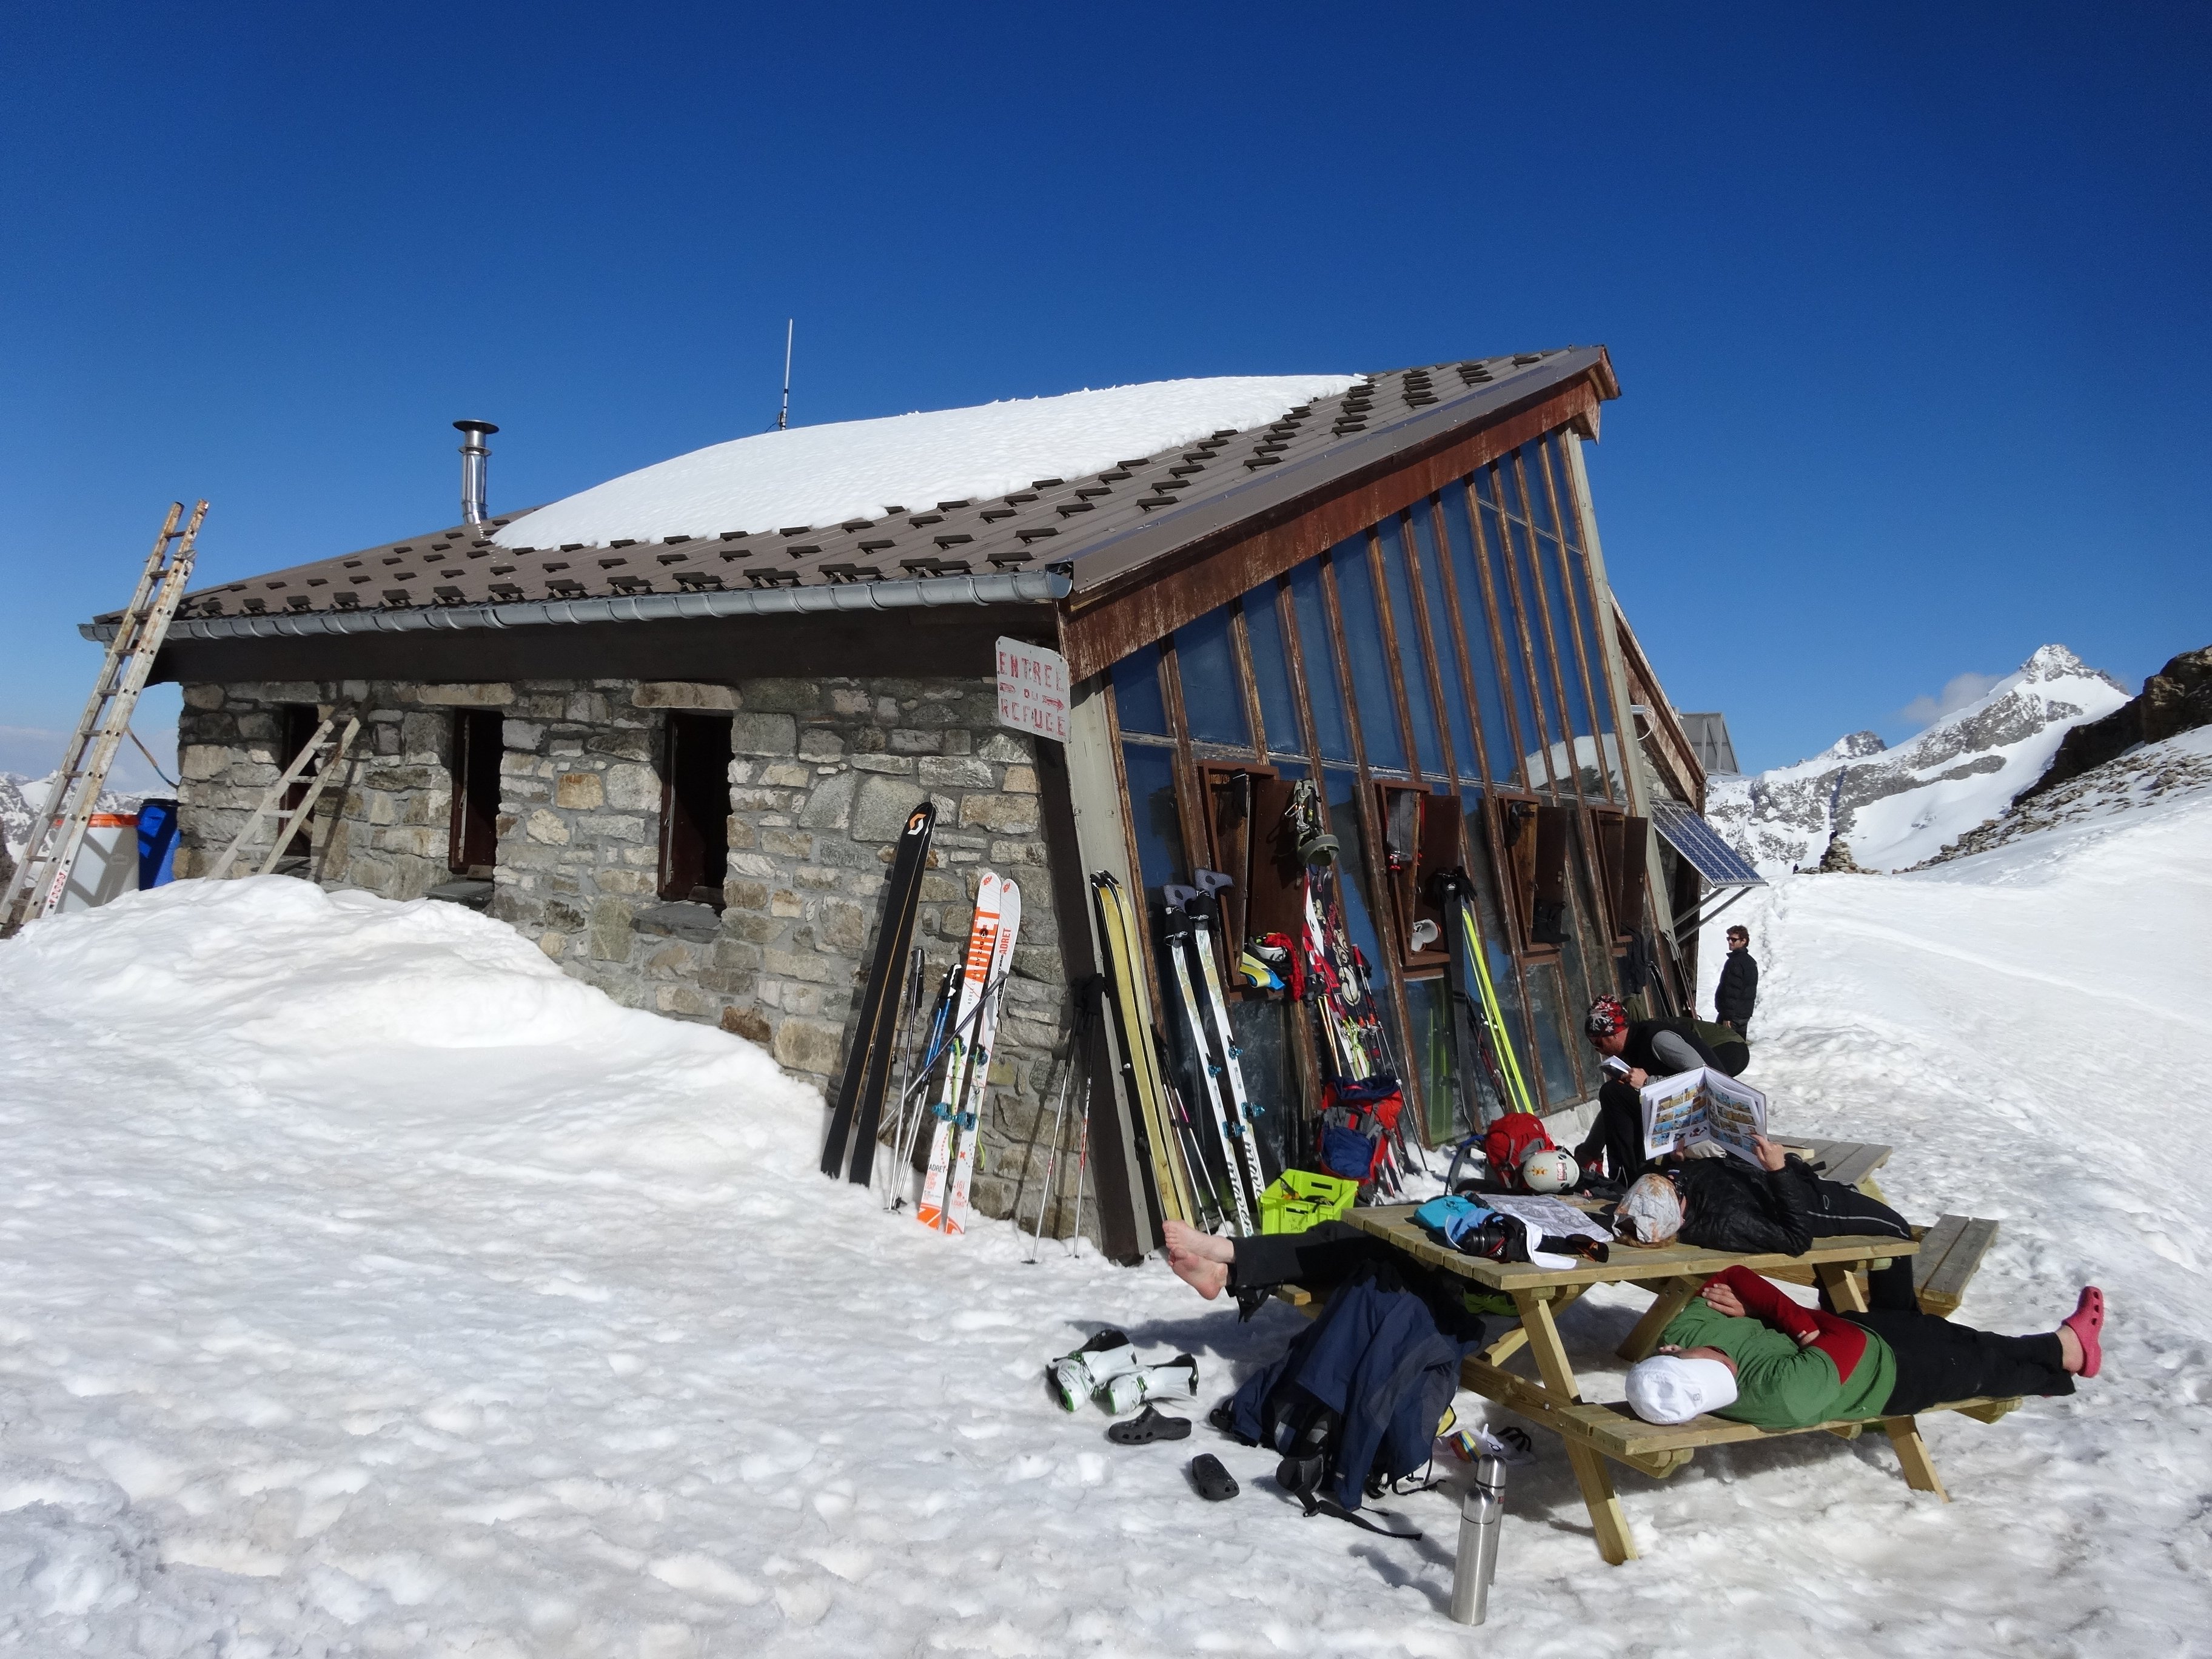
pixel 1301 1199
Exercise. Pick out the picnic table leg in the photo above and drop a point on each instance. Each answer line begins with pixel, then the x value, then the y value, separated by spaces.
pixel 1673 1296
pixel 1844 1286
pixel 1912 1452
pixel 1615 1542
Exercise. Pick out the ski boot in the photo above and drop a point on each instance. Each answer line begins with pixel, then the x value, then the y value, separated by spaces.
pixel 1177 1380
pixel 1075 1377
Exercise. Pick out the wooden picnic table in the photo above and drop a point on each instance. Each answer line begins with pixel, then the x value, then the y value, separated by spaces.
pixel 1675 1272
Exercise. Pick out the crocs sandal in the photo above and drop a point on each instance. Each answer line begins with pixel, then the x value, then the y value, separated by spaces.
pixel 1147 1425
pixel 2087 1322
pixel 1215 1483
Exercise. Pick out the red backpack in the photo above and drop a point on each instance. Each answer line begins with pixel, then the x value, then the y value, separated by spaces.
pixel 1509 1140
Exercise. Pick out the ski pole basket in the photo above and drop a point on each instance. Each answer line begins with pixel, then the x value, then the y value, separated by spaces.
pixel 1301 1198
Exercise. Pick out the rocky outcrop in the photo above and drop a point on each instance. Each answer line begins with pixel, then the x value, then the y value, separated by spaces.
pixel 2176 699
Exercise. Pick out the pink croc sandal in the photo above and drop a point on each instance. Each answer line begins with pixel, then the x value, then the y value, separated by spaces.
pixel 2087 1322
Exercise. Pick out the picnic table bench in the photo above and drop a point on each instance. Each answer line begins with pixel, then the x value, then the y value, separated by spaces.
pixel 1594 1432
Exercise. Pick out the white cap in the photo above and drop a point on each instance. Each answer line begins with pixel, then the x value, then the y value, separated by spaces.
pixel 1670 1388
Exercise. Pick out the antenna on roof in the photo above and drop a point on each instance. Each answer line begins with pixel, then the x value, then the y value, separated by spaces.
pixel 783 415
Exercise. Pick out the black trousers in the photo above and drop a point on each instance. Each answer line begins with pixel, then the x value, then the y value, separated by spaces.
pixel 1836 1208
pixel 1618 1134
pixel 1319 1259
pixel 1938 1361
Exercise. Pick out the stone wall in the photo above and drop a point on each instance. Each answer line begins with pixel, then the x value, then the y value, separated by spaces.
pixel 822 777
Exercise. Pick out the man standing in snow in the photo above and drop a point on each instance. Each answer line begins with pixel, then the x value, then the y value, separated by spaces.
pixel 1738 991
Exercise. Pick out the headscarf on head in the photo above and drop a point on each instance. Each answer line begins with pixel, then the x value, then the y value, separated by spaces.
pixel 1606 1016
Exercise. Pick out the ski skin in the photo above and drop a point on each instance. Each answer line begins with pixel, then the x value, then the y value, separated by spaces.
pixel 968 1124
pixel 859 1113
pixel 982 939
pixel 1141 1059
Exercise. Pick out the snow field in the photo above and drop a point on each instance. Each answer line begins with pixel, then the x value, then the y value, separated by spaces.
pixel 367 1286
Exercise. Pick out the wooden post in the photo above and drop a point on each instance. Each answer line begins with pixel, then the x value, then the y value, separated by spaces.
pixel 1912 1452
pixel 1673 1297
pixel 1615 1542
pixel 1845 1287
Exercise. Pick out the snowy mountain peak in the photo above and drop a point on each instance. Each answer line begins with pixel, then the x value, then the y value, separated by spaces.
pixel 1898 806
pixel 1857 746
pixel 2056 662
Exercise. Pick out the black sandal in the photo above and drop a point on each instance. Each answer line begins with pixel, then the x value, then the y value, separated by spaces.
pixel 1147 1425
pixel 1215 1483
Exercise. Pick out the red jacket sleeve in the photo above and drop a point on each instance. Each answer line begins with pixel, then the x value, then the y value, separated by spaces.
pixel 1844 1342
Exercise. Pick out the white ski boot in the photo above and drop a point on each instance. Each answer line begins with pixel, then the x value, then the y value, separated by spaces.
pixel 1177 1380
pixel 1075 1377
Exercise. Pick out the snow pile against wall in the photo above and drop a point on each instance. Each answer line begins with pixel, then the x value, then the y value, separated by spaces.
pixel 363 1281
pixel 1898 806
pixel 821 475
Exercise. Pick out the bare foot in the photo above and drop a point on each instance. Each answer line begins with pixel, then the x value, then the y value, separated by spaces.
pixel 1184 1239
pixel 1208 1279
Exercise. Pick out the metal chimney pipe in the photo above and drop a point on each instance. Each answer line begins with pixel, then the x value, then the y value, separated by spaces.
pixel 475 467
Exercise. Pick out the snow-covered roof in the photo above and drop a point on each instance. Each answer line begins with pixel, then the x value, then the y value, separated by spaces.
pixel 1019 502
pixel 820 475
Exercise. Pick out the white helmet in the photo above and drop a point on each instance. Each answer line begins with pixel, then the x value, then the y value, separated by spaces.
pixel 1548 1170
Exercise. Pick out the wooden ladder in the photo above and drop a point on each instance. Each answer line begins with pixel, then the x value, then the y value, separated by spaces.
pixel 311 752
pixel 57 832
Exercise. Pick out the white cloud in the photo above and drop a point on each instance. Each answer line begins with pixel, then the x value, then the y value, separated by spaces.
pixel 1958 691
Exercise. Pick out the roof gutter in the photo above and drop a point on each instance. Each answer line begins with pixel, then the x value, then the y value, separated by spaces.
pixel 1001 587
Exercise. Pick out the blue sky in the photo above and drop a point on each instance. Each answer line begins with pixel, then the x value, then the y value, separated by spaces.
pixel 1908 303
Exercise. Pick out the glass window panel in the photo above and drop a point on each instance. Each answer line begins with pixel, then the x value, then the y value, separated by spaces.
pixel 1442 627
pixel 1271 667
pixel 1516 666
pixel 1413 661
pixel 1549 555
pixel 1137 700
pixel 1212 703
pixel 1332 726
pixel 1341 789
pixel 1485 490
pixel 1475 631
pixel 1261 1030
pixel 1533 458
pixel 1593 655
pixel 1372 698
pixel 1428 1011
pixel 1540 647
pixel 1546 1000
pixel 1563 479
pixel 1153 819
pixel 1508 488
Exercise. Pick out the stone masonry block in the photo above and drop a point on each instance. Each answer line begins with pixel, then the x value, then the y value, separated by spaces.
pixel 880 810
pixel 583 790
pixel 808 1045
pixel 684 693
pixel 763 733
pixel 486 695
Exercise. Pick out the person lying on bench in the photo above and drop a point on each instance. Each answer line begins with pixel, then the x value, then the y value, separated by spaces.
pixel 1747 1352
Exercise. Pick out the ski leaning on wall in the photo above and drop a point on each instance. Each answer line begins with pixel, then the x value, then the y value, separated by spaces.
pixel 867 1068
pixel 967 1064
pixel 1154 1121
pixel 1217 1053
pixel 1502 1064
pixel 968 1125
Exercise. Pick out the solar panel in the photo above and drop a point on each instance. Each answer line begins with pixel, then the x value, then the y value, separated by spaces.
pixel 1699 842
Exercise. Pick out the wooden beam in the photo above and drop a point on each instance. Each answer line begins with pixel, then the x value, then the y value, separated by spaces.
pixel 1912 1452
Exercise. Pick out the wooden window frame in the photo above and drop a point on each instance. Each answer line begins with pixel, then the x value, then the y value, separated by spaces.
pixel 473 823
pixel 687 873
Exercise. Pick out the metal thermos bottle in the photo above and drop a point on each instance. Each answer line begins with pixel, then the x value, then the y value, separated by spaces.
pixel 1481 1516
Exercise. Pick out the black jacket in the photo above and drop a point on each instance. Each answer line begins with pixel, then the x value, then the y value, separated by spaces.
pixel 1639 1052
pixel 1738 991
pixel 1728 1205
